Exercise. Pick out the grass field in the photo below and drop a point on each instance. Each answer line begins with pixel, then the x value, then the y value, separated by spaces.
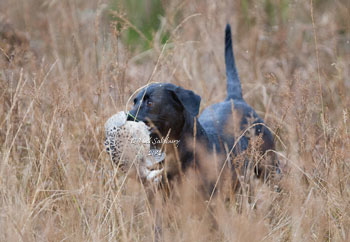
pixel 65 67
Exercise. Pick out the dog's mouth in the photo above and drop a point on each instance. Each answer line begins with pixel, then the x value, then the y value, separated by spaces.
pixel 153 131
pixel 152 128
pixel 131 117
pixel 147 124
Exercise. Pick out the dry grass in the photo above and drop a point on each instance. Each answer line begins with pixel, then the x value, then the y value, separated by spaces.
pixel 56 181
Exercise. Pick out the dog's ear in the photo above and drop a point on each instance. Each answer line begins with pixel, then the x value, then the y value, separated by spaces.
pixel 189 100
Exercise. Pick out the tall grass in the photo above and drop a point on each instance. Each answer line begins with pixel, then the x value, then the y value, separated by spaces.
pixel 72 71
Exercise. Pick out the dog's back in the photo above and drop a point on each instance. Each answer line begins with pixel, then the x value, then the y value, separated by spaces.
pixel 224 122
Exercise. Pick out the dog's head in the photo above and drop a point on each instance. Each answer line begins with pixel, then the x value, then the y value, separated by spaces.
pixel 166 106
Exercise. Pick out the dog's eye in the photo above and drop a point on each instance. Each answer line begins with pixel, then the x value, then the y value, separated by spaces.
pixel 149 103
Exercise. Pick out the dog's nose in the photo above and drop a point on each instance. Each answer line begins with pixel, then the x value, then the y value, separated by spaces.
pixel 131 117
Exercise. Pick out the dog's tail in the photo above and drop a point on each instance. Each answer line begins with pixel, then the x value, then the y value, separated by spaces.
pixel 234 89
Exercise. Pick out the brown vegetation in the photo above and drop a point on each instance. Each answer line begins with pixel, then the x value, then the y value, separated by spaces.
pixel 57 182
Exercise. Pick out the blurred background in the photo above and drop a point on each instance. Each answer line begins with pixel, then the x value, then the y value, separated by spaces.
pixel 66 66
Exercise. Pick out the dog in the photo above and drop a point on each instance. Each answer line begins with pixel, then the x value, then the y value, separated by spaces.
pixel 173 111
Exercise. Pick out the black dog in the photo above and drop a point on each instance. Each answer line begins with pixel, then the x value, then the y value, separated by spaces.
pixel 173 112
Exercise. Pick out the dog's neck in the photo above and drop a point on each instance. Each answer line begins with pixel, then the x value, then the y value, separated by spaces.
pixel 192 134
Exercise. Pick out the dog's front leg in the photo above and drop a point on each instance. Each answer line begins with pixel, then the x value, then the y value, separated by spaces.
pixel 155 202
pixel 158 234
